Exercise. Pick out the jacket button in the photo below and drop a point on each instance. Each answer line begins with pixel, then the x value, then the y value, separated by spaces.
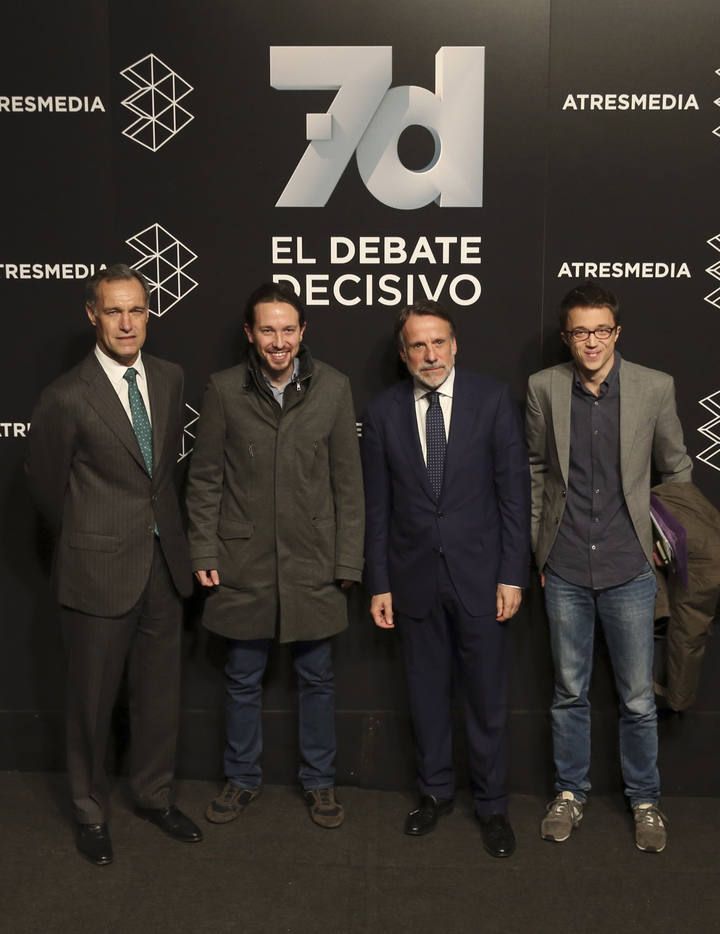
pixel 440 515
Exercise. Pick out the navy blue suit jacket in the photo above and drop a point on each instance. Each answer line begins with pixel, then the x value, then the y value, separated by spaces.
pixel 481 521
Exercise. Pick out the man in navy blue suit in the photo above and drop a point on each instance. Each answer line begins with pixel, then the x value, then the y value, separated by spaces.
pixel 447 552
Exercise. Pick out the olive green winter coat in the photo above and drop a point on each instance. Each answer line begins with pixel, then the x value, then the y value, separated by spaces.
pixel 275 502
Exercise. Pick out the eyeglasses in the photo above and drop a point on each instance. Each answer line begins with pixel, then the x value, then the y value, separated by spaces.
pixel 579 335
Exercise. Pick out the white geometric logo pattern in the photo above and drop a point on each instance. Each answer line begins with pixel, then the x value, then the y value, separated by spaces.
pixel 716 131
pixel 711 454
pixel 155 103
pixel 163 260
pixel 188 437
pixel 714 297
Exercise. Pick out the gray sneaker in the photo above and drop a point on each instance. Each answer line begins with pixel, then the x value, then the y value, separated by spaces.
pixel 230 803
pixel 650 832
pixel 325 809
pixel 563 814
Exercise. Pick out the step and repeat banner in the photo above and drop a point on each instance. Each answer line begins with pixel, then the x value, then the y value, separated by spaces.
pixel 485 155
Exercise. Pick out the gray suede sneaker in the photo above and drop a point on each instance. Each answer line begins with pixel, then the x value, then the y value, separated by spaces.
pixel 650 832
pixel 230 803
pixel 325 810
pixel 564 813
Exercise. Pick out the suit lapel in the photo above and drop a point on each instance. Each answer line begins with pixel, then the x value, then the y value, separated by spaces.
pixel 408 435
pixel 631 404
pixel 104 400
pixel 461 424
pixel 159 393
pixel 560 402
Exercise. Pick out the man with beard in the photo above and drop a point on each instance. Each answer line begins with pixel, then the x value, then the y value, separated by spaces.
pixel 275 503
pixel 447 552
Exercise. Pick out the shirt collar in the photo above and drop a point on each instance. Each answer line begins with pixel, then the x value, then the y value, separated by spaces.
pixel 116 371
pixel 420 391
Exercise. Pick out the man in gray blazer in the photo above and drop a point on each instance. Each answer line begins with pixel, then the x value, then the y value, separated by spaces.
pixel 101 459
pixel 595 426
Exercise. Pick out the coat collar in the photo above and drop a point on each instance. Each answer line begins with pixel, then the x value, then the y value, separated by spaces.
pixel 253 383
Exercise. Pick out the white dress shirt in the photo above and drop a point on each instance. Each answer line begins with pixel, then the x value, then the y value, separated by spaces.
pixel 116 374
pixel 422 404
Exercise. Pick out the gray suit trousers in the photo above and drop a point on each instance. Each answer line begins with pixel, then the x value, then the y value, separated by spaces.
pixel 148 639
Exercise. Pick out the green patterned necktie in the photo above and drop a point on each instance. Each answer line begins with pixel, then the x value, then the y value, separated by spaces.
pixel 140 420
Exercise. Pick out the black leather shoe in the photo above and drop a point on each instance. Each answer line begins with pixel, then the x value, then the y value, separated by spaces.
pixel 497 834
pixel 93 841
pixel 173 822
pixel 425 816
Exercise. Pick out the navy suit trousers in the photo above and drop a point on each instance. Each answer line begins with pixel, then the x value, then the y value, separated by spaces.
pixel 477 646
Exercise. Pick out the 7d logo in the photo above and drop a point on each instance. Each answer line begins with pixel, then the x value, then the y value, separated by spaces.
pixel 367 118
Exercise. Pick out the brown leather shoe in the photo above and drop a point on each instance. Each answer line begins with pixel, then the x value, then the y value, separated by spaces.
pixel 230 803
pixel 325 810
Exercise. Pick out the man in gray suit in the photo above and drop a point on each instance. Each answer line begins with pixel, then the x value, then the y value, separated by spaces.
pixel 101 460
pixel 595 426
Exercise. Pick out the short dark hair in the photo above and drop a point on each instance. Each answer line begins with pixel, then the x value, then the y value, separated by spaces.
pixel 421 308
pixel 273 292
pixel 588 295
pixel 113 274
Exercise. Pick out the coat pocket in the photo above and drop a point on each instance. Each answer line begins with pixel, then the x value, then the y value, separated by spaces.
pixel 236 564
pixel 230 530
pixel 91 541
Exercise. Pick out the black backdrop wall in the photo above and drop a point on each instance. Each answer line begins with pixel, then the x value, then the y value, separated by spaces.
pixel 575 140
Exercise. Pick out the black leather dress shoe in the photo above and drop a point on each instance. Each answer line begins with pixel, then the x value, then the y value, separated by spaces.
pixel 425 816
pixel 173 822
pixel 93 841
pixel 497 834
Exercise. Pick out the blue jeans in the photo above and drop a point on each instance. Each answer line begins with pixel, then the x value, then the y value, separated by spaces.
pixel 244 670
pixel 626 616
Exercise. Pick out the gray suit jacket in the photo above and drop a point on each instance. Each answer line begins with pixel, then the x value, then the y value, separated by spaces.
pixel 89 480
pixel 650 433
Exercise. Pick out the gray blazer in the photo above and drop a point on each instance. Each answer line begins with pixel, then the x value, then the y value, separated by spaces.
pixel 650 433
pixel 89 480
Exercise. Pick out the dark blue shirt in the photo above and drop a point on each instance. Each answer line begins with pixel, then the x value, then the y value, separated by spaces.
pixel 596 545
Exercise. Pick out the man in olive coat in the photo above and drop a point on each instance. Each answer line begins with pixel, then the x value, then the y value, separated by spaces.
pixel 275 503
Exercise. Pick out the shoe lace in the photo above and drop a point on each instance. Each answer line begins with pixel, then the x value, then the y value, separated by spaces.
pixel 650 816
pixel 560 807
pixel 229 792
pixel 324 796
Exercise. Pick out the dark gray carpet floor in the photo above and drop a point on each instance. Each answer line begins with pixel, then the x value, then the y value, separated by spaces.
pixel 273 872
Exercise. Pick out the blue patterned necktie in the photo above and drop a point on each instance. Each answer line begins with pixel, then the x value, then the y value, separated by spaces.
pixel 435 441
pixel 140 420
